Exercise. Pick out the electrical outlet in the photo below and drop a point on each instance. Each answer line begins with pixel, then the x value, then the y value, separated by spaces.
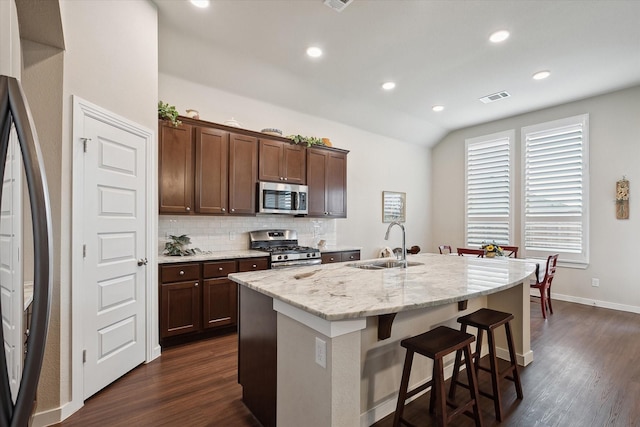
pixel 321 352
pixel 595 282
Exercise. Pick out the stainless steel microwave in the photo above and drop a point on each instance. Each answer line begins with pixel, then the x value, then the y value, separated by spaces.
pixel 289 199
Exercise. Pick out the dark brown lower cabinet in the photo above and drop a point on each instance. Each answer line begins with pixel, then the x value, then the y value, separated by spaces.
pixel 197 300
pixel 180 308
pixel 340 256
pixel 219 303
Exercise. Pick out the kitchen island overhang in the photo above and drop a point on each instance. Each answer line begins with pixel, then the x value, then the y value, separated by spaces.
pixel 341 305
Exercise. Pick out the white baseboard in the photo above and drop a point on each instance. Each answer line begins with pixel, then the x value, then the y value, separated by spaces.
pixel 590 302
pixel 47 418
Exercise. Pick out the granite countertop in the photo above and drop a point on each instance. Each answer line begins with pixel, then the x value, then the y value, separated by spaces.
pixel 211 256
pixel 338 291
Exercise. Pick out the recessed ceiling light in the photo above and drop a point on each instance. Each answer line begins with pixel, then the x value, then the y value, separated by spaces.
pixel 200 3
pixel 388 85
pixel 314 52
pixel 540 75
pixel 499 36
pixel 437 108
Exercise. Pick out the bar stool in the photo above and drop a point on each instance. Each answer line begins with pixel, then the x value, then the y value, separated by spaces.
pixel 436 344
pixel 488 320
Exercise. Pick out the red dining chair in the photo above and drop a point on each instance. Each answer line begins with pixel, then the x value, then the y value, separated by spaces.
pixel 510 251
pixel 445 249
pixel 544 285
pixel 465 251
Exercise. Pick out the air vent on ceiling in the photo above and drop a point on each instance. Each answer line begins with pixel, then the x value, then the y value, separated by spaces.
pixel 337 5
pixel 495 97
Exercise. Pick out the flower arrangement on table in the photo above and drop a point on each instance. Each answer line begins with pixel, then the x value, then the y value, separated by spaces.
pixel 492 249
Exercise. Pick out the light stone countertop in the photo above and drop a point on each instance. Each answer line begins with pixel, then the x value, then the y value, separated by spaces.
pixel 338 291
pixel 211 256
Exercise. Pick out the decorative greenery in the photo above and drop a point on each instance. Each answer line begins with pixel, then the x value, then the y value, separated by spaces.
pixel 492 248
pixel 177 246
pixel 309 140
pixel 168 112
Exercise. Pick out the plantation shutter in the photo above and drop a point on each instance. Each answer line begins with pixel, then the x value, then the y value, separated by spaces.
pixel 555 184
pixel 488 187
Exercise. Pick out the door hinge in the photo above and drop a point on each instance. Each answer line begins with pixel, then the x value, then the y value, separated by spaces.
pixel 84 251
pixel 84 356
pixel 84 143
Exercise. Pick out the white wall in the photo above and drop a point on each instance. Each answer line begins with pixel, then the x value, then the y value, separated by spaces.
pixel 375 163
pixel 9 40
pixel 111 60
pixel 615 151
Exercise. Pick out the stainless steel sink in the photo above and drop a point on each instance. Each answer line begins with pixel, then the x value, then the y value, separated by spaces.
pixel 381 265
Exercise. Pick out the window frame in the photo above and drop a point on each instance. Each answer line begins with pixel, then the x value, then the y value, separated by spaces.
pixel 566 258
pixel 509 135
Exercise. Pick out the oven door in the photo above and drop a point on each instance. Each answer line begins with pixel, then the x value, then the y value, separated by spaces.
pixel 282 198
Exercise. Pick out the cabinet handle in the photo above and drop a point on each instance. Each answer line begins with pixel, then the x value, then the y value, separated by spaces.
pixel 254 266
pixel 233 210
pixel 223 209
pixel 326 213
pixel 331 259
pixel 281 179
pixel 286 179
pixel 195 284
pixel 181 272
pixel 188 209
pixel 220 268
pixel 351 257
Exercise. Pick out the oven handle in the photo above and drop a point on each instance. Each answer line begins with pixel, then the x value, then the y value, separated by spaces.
pixel 304 263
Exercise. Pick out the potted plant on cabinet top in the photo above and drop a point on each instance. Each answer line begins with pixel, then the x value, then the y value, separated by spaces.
pixel 168 112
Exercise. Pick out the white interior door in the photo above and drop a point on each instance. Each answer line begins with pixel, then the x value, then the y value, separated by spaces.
pixel 11 287
pixel 114 224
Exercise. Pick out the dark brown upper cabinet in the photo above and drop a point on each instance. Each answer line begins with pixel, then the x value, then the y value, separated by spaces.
pixel 327 181
pixel 281 162
pixel 176 158
pixel 212 175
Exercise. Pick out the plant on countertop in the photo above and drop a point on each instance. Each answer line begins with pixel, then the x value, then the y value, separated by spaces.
pixel 177 246
pixel 168 112
pixel 309 140
pixel 492 248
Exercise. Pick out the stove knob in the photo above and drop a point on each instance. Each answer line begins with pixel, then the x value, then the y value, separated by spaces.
pixel 279 256
pixel 286 257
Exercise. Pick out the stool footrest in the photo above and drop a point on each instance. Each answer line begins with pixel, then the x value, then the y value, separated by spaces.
pixel 418 389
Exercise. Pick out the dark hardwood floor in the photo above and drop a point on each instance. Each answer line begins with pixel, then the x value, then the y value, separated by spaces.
pixel 586 372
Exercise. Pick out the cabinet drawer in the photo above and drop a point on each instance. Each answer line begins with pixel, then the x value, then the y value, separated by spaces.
pixel 253 264
pixel 179 272
pixel 218 269
pixel 329 257
pixel 351 256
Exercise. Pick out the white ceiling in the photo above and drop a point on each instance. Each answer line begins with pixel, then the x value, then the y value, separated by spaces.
pixel 436 51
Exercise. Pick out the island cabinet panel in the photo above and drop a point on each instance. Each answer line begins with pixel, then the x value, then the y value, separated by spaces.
pixel 211 174
pixel 243 174
pixel 176 158
pixel 281 162
pixel 257 355
pixel 340 256
pixel 327 181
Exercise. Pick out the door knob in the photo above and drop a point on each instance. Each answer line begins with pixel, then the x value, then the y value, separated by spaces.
pixel 142 261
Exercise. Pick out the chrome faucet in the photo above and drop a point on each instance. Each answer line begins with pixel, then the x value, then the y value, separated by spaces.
pixel 404 241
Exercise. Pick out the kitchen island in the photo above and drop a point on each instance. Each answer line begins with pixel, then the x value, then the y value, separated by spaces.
pixel 310 335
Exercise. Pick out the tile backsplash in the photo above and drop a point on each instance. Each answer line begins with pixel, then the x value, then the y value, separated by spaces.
pixel 224 233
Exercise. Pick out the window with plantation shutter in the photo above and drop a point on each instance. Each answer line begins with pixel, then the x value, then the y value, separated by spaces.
pixel 488 189
pixel 555 189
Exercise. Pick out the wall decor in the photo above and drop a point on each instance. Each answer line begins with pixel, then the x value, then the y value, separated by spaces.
pixel 394 206
pixel 622 198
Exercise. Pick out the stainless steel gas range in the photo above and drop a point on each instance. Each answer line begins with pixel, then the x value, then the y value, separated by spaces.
pixel 283 247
